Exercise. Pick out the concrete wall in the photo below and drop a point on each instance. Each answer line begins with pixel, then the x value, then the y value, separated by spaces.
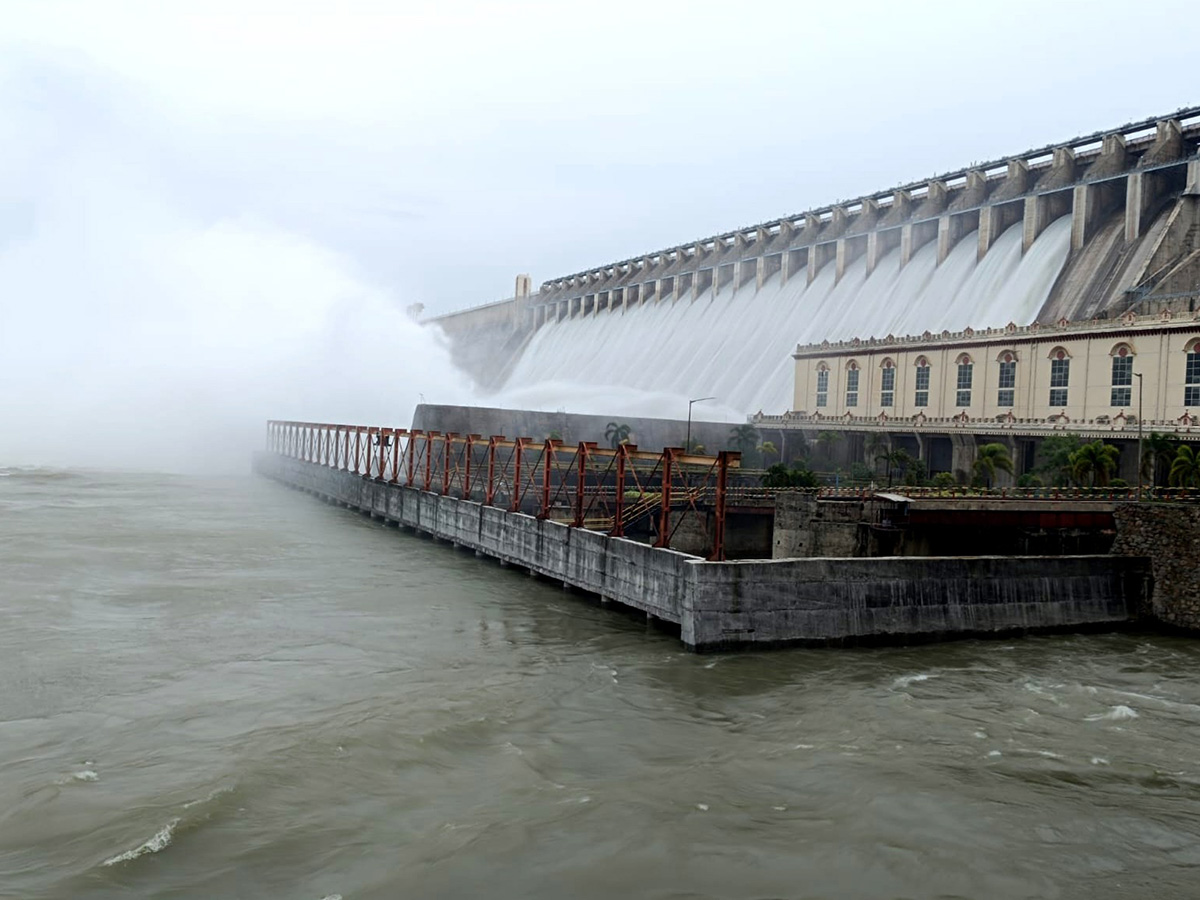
pixel 1169 535
pixel 831 599
pixel 726 604
pixel 647 433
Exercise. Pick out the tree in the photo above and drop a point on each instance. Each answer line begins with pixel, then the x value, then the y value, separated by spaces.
pixel 779 476
pixel 826 441
pixel 767 449
pixel 944 480
pixel 1158 453
pixel 877 446
pixel 1094 462
pixel 617 434
pixel 1053 461
pixel 898 460
pixel 990 459
pixel 1185 468
pixel 744 438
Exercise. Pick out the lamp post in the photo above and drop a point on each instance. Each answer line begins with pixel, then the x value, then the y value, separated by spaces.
pixel 1138 376
pixel 687 444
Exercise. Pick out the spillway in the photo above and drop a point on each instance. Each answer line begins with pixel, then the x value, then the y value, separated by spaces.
pixel 736 344
pixel 1096 227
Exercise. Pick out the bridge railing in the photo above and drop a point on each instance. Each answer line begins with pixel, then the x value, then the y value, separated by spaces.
pixel 583 486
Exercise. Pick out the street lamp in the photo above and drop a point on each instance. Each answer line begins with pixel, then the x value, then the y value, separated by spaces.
pixel 1138 376
pixel 687 445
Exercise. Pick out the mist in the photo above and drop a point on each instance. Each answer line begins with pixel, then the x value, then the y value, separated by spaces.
pixel 139 333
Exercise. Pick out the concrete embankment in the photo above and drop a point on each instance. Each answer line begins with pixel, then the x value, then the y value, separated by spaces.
pixel 760 602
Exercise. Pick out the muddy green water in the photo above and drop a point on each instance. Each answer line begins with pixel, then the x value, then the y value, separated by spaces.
pixel 221 688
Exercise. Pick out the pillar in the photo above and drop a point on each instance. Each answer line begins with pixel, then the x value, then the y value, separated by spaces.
pixel 949 233
pixel 1035 219
pixel 989 230
pixel 1085 204
pixel 1136 201
pixel 873 254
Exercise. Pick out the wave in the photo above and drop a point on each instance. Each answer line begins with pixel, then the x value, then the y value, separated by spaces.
pixel 160 841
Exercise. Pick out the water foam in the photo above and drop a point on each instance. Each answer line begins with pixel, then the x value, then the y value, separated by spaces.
pixel 1115 714
pixel 160 840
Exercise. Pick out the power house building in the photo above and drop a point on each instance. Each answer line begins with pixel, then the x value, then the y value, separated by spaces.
pixel 948 392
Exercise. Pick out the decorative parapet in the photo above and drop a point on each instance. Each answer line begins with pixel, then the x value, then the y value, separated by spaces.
pixel 1010 333
pixel 1186 426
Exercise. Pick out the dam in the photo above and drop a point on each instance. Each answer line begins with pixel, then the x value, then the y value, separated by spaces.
pixel 1084 229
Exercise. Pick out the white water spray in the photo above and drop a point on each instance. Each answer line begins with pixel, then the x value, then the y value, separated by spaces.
pixel 737 345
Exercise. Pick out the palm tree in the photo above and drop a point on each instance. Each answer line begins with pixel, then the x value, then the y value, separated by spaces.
pixel 744 438
pixel 877 446
pixel 826 441
pixel 767 449
pixel 617 434
pixel 1095 462
pixel 1185 468
pixel 897 460
pixel 1159 450
pixel 1054 457
pixel 992 458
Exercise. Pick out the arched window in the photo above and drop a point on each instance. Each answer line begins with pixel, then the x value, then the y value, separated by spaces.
pixel 1191 380
pixel 966 369
pixel 851 384
pixel 1006 392
pixel 822 385
pixel 1122 376
pixel 921 395
pixel 1060 376
pixel 887 384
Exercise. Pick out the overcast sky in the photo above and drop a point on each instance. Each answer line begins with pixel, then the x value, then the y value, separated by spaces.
pixel 443 147
pixel 213 212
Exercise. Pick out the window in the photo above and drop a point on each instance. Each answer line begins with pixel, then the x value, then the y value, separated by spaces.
pixel 1006 394
pixel 1060 375
pixel 963 387
pixel 887 386
pixel 852 385
pixel 1191 383
pixel 921 398
pixel 822 387
pixel 1122 377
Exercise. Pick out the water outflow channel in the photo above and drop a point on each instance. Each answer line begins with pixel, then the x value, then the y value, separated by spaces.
pixel 230 690
pixel 737 346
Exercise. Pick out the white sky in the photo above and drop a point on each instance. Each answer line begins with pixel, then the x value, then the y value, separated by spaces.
pixel 440 148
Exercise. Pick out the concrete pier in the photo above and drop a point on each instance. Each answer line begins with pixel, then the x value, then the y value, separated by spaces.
pixel 750 603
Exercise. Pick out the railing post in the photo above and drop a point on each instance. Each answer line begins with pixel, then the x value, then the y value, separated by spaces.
pixel 547 449
pixel 429 436
pixel 580 478
pixel 618 529
pixel 467 467
pixel 490 494
pixel 518 452
pixel 664 513
pixel 396 433
pixel 718 550
pixel 449 439
pixel 410 452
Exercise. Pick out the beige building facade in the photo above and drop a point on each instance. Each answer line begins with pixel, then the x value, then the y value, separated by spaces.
pixel 1069 376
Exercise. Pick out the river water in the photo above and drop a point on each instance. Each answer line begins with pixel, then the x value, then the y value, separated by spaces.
pixel 217 688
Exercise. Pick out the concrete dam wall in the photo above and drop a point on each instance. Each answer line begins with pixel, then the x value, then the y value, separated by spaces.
pixel 1081 229
pixel 756 602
